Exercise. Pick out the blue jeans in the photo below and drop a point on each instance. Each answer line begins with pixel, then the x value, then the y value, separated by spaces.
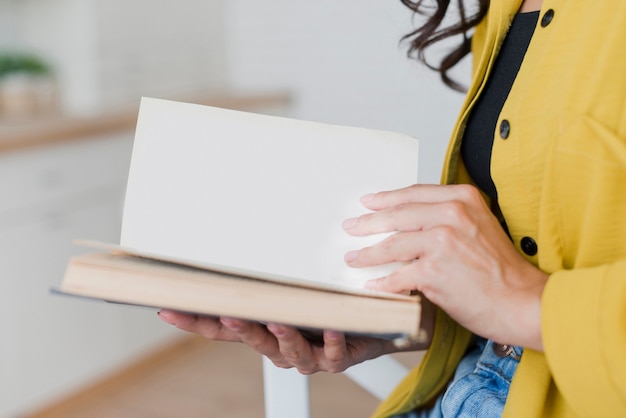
pixel 479 387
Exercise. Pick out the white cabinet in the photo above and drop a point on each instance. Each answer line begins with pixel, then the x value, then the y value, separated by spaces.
pixel 51 345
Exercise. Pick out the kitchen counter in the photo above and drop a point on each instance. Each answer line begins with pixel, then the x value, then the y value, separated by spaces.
pixel 18 134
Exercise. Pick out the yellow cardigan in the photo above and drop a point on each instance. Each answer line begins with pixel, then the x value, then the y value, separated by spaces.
pixel 561 180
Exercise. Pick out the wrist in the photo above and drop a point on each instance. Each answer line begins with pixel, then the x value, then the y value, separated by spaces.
pixel 527 317
pixel 531 321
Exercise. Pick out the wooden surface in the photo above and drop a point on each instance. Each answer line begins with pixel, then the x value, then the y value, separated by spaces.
pixel 17 134
pixel 196 378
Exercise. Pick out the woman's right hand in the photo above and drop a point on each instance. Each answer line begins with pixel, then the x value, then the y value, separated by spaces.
pixel 286 346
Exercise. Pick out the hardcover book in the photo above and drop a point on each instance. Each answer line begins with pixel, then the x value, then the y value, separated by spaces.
pixel 231 213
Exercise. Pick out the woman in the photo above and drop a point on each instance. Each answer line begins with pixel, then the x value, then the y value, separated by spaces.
pixel 522 248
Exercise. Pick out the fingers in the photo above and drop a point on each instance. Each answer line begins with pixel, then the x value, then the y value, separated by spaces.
pixel 404 279
pixel 420 193
pixel 330 356
pixel 421 218
pixel 336 353
pixel 398 218
pixel 224 329
pixel 205 326
pixel 284 345
pixel 417 208
pixel 253 334
pixel 403 247
pixel 295 350
pixel 256 336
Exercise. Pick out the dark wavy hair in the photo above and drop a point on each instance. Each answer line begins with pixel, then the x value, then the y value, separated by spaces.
pixel 433 30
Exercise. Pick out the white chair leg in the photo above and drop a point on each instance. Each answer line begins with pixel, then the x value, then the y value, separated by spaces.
pixel 286 392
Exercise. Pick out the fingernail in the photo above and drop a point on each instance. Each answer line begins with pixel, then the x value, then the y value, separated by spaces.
pixel 230 323
pixel 371 284
pixel 333 335
pixel 275 329
pixel 349 223
pixel 164 315
pixel 367 197
pixel 351 256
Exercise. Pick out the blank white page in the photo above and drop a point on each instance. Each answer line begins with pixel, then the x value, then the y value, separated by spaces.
pixel 216 187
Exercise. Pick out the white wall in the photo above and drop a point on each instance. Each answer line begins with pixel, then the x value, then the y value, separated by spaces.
pixel 340 58
pixel 8 31
pixel 343 62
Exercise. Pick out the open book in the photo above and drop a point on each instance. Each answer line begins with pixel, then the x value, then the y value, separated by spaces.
pixel 239 214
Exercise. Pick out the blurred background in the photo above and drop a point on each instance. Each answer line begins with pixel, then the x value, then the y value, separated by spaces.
pixel 71 76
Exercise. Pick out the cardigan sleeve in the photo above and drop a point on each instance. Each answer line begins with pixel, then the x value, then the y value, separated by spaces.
pixel 584 334
pixel 584 302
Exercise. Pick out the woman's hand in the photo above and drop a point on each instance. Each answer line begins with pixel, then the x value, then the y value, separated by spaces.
pixel 456 254
pixel 285 346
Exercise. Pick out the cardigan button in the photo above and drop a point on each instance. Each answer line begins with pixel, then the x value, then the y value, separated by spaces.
pixel 505 129
pixel 529 246
pixel 547 18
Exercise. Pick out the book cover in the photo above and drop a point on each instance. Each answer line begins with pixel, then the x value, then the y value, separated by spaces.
pixel 128 279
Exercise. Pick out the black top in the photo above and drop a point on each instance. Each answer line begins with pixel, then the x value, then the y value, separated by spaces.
pixel 481 124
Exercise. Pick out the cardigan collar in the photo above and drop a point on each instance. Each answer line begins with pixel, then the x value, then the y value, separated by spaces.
pixel 497 23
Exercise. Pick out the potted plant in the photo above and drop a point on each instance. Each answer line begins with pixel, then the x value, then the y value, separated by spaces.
pixel 26 85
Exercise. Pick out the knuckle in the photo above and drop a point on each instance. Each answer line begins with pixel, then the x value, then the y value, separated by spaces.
pixel 256 346
pixel 443 235
pixel 188 323
pixel 455 211
pixel 412 191
pixel 336 368
pixel 211 333
pixel 468 193
pixel 307 371
pixel 400 214
pixel 396 210
pixel 260 345
pixel 362 222
pixel 282 364
pixel 335 361
pixel 292 356
pixel 389 243
pixel 428 268
pixel 391 283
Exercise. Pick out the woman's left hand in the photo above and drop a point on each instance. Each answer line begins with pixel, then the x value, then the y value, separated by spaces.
pixel 285 346
pixel 457 254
